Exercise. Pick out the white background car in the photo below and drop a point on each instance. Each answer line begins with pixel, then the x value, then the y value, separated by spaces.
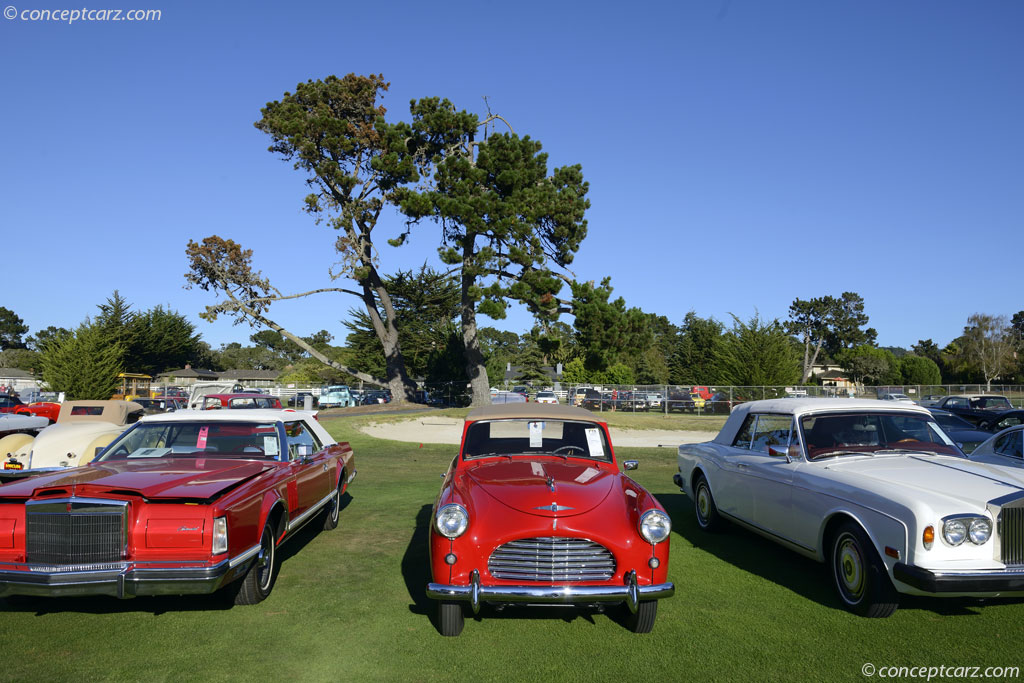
pixel 875 490
pixel 546 397
pixel 81 428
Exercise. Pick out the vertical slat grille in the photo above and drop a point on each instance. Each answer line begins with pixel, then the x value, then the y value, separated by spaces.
pixel 1011 536
pixel 552 560
pixel 73 538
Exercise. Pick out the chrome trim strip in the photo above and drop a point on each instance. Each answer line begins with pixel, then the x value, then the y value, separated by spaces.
pixel 548 594
pixel 311 511
pixel 237 559
pixel 74 501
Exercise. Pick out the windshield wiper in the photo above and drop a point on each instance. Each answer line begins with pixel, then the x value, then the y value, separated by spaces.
pixel 835 454
pixel 897 451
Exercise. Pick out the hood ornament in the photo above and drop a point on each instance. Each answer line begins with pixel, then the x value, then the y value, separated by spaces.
pixel 551 483
pixel 554 507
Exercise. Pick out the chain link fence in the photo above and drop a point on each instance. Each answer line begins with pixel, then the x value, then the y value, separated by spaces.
pixel 654 398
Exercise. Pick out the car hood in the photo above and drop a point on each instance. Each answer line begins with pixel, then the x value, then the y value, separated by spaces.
pixel 10 422
pixel 199 479
pixel 928 476
pixel 533 485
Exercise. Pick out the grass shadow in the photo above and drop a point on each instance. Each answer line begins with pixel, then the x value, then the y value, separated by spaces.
pixel 416 565
pixel 802 576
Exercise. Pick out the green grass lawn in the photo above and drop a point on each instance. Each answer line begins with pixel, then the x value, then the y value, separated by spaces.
pixel 349 604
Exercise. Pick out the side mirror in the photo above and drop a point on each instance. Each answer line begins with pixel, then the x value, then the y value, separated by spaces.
pixel 790 454
pixel 303 452
pixel 631 465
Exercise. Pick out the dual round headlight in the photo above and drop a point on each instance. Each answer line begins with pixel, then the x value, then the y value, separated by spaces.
pixel 451 520
pixel 956 530
pixel 655 526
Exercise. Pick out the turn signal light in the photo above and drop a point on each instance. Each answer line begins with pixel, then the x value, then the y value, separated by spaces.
pixel 928 537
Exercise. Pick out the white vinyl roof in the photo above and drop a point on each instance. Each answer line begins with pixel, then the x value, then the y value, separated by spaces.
pixel 229 415
pixel 803 406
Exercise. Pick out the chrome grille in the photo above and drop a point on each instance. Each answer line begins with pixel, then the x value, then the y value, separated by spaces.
pixel 1011 536
pixel 551 560
pixel 74 532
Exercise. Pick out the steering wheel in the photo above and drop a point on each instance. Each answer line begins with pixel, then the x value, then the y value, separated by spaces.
pixel 568 448
pixel 904 440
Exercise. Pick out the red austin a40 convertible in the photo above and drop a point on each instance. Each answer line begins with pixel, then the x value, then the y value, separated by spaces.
pixel 184 502
pixel 535 511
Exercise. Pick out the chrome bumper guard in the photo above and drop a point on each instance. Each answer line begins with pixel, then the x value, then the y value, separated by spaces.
pixel 630 593
pixel 994 581
pixel 120 580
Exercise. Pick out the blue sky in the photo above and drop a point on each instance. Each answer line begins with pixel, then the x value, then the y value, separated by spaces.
pixel 740 154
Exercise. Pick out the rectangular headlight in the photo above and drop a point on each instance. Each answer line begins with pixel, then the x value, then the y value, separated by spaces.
pixel 220 535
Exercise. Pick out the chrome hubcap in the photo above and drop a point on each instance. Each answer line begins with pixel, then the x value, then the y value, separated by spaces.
pixel 266 560
pixel 702 503
pixel 850 568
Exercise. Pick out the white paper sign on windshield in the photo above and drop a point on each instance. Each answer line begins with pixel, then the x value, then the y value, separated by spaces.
pixel 270 445
pixel 595 443
pixel 536 434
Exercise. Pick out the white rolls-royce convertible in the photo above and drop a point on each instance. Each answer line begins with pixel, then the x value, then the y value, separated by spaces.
pixel 876 490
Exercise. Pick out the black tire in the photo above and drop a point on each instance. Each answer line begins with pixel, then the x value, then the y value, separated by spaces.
pixel 262 574
pixel 859 575
pixel 704 506
pixel 643 620
pixel 450 618
pixel 333 511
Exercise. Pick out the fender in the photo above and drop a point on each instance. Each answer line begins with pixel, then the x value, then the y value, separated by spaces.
pixel 272 499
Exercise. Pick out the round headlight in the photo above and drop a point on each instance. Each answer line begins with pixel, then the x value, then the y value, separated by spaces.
pixel 452 520
pixel 979 531
pixel 655 526
pixel 954 531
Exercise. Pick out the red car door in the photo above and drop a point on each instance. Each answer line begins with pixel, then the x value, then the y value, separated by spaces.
pixel 311 464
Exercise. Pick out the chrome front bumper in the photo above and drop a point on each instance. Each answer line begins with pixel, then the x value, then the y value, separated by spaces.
pixel 997 582
pixel 120 580
pixel 630 593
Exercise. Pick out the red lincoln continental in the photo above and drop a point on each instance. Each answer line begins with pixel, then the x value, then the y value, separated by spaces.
pixel 535 511
pixel 184 502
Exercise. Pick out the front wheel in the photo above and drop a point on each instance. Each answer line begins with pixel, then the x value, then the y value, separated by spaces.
pixel 643 620
pixel 450 618
pixel 859 575
pixel 259 580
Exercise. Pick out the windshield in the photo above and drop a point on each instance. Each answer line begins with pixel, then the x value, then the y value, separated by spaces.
pixel 867 433
pixel 526 437
pixel 992 403
pixel 196 440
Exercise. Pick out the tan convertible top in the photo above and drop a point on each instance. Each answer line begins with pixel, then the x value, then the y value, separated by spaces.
pixel 116 412
pixel 534 410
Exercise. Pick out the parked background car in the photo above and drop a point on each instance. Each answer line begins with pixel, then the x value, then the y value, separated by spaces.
pixel 974 407
pixel 502 397
pixel 184 502
pixel 240 402
pixel 895 396
pixel 1002 420
pixel 965 434
pixel 48 409
pixel 1005 448
pixel 9 403
pixel 81 428
pixel 165 404
pixel 545 397
pixel 534 510
pixel 298 400
pixel 337 396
